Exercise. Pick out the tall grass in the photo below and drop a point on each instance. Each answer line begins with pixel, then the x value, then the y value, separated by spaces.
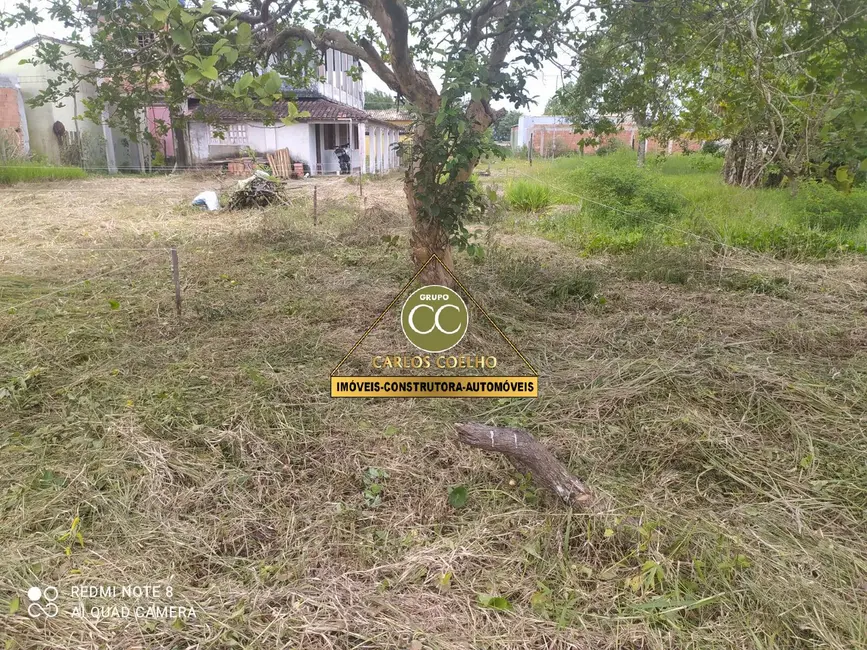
pixel 20 171
pixel 678 200
pixel 528 196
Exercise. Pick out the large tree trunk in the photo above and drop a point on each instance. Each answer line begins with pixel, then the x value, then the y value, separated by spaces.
pixel 642 150
pixel 745 160
pixel 182 156
pixel 428 238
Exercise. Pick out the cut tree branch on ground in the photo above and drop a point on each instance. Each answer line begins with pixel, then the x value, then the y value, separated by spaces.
pixel 529 455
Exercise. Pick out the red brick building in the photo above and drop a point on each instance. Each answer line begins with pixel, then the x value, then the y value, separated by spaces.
pixel 550 140
pixel 13 122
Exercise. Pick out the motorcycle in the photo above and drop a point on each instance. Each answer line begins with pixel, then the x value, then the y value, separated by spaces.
pixel 343 158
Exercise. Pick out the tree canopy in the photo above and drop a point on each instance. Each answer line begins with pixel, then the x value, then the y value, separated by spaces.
pixel 503 126
pixel 377 100
pixel 778 79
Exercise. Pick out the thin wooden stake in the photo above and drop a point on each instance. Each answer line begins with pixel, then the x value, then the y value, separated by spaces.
pixel 176 276
pixel 360 182
pixel 315 218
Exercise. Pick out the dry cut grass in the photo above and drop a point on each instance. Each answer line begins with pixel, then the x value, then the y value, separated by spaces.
pixel 722 410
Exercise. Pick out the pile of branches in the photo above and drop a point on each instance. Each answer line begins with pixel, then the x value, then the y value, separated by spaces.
pixel 258 192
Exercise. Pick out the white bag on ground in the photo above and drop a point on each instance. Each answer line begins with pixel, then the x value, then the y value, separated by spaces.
pixel 208 199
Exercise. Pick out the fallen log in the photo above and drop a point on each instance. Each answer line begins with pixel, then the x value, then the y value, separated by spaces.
pixel 529 455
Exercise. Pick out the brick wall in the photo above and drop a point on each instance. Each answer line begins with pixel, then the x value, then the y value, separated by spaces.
pixel 10 118
pixel 559 137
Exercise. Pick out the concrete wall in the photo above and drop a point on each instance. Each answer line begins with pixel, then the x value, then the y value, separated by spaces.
pixel 527 122
pixel 298 138
pixel 40 120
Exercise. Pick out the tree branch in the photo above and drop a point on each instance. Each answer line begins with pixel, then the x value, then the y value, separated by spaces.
pixel 528 454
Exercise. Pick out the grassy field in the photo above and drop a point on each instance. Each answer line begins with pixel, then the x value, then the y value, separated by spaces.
pixel 681 200
pixel 21 171
pixel 716 396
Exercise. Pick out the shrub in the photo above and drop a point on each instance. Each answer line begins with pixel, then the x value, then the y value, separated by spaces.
pixel 23 171
pixel 819 205
pixel 609 146
pixel 528 196
pixel 713 148
pixel 627 197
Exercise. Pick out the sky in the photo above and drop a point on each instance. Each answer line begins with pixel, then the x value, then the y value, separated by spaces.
pixel 542 87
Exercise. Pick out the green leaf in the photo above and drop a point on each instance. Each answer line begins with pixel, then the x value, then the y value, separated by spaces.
pixel 219 45
pixel 230 54
pixel 243 83
pixel 160 14
pixel 859 118
pixel 206 7
pixel 182 37
pixel 242 38
pixel 193 59
pixel 192 76
pixel 14 604
pixel 458 496
pixel 842 174
pixel 210 61
pixel 863 166
pixel 210 73
pixel 494 602
pixel 114 304
pixel 273 83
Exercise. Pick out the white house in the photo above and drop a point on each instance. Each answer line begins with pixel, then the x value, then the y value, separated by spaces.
pixel 521 131
pixel 335 104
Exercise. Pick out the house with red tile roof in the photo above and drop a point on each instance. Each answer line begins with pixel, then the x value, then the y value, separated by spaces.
pixel 334 117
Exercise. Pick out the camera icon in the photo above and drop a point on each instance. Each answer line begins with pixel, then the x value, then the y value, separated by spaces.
pixel 36 595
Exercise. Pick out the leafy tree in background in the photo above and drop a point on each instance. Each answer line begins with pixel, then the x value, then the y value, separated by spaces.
pixel 625 69
pixel 243 54
pixel 783 81
pixel 556 105
pixel 503 126
pixel 377 100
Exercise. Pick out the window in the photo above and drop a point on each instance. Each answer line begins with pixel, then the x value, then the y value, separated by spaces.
pixel 145 39
pixel 234 134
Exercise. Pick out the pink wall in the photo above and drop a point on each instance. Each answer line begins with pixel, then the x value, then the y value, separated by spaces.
pixel 156 113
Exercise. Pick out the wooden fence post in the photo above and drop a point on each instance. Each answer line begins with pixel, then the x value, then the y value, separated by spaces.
pixel 176 276
pixel 315 201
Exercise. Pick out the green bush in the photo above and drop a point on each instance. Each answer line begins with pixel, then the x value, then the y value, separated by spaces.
pixel 820 205
pixel 624 196
pixel 609 146
pixel 528 196
pixel 22 171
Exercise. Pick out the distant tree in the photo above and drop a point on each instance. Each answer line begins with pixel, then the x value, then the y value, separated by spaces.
pixel 555 105
pixel 377 100
pixel 503 126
